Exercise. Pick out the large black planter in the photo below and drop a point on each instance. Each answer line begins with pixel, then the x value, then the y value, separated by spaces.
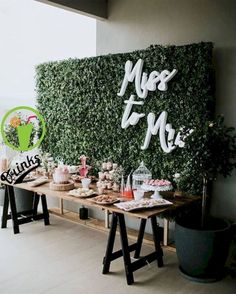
pixel 202 253
pixel 2 193
pixel 24 199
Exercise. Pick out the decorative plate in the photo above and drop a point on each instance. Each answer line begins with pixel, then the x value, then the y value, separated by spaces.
pixel 82 192
pixel 105 199
pixel 142 204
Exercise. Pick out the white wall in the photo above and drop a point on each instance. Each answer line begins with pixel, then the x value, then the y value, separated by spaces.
pixel 135 24
pixel 32 33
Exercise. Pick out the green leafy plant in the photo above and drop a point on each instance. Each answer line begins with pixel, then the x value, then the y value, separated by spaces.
pixel 212 149
pixel 212 152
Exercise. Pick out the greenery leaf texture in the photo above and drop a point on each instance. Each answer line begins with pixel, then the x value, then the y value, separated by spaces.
pixel 79 102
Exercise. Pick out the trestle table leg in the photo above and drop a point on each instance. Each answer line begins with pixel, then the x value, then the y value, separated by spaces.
pixel 35 205
pixel 157 242
pixel 45 210
pixel 110 244
pixel 5 209
pixel 14 217
pixel 125 249
pixel 140 238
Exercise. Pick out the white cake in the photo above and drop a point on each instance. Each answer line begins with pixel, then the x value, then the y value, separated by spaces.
pixel 61 175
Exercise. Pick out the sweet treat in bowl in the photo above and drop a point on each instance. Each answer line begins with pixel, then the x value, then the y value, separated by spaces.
pixel 61 175
pixel 162 184
pixel 156 185
pixel 73 169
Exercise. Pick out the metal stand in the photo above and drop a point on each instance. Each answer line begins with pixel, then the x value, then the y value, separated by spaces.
pixel 131 267
pixel 156 195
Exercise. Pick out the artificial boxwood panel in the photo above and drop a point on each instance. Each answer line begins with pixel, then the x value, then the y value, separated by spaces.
pixel 78 99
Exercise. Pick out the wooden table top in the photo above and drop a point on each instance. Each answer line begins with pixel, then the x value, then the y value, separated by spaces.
pixel 144 213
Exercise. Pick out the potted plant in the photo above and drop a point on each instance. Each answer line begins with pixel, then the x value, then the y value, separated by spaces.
pixel 202 242
pixel 24 199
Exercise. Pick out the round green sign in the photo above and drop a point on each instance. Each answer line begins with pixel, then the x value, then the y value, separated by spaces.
pixel 22 131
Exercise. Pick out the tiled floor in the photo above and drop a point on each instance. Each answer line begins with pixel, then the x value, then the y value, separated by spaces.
pixel 67 258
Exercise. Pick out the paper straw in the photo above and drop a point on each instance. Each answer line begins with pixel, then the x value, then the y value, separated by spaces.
pixel 31 117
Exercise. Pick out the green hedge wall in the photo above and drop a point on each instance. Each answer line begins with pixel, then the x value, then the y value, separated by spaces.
pixel 78 99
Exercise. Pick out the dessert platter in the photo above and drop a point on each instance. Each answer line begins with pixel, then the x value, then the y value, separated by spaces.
pixel 38 182
pixel 142 204
pixel 157 186
pixel 105 199
pixel 82 192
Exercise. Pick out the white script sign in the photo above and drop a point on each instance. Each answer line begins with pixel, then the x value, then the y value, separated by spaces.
pixel 143 84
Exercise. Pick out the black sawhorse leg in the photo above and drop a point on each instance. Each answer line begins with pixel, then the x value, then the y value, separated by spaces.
pixel 157 241
pixel 131 267
pixel 5 210
pixel 45 214
pixel 28 216
pixel 110 245
pixel 140 238
pixel 14 217
pixel 45 210
pixel 35 205
pixel 125 250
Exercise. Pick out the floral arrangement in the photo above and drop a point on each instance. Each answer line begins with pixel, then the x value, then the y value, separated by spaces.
pixel 47 162
pixel 177 180
pixel 117 174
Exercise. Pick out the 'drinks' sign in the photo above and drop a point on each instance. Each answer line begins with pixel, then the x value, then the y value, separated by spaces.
pixel 15 175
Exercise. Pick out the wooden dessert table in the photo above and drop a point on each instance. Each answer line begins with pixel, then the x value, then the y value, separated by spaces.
pixel 118 217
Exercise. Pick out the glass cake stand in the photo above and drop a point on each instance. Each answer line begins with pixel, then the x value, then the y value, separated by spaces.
pixel 156 189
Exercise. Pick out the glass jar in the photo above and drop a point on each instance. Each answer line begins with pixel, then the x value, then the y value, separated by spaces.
pixel 140 175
